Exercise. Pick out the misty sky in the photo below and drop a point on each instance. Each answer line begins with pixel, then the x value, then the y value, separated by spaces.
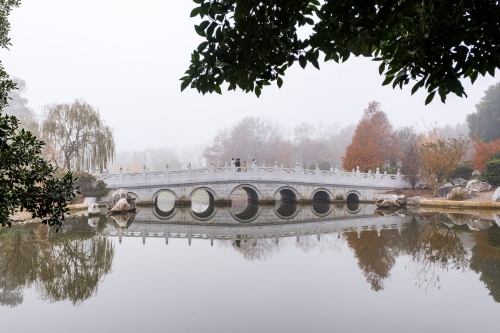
pixel 126 57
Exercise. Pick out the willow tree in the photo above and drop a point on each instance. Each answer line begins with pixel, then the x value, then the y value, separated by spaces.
pixel 76 137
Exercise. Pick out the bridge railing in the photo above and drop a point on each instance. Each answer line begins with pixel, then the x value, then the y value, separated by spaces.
pixel 211 172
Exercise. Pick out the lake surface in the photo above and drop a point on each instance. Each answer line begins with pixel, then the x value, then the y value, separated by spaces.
pixel 251 268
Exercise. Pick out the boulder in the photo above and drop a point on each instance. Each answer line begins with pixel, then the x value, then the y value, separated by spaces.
pixel 121 221
pixel 466 193
pixel 94 209
pixel 496 196
pixel 93 221
pixel 478 185
pixel 121 206
pixel 459 182
pixel 496 217
pixel 460 219
pixel 386 203
pixel 399 199
pixel 444 190
pixel 480 225
pixel 127 204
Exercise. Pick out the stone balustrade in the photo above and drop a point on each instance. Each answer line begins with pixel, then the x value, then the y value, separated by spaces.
pixel 276 173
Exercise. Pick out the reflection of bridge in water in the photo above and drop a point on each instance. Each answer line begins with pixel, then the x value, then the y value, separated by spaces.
pixel 269 224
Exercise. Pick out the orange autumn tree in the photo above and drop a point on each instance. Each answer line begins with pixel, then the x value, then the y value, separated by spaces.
pixel 484 152
pixel 373 141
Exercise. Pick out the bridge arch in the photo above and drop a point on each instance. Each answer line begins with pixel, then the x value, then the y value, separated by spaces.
pixel 252 192
pixel 352 196
pixel 155 196
pixel 211 193
pixel 160 210
pixel 136 197
pixel 322 195
pixel 287 193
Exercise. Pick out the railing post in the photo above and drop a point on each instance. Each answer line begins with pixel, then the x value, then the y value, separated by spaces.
pixel 276 170
pixel 211 170
pixel 297 171
pixel 337 174
pixel 377 175
pixel 233 170
pixel 317 171
pixel 399 178
pixel 358 174
pixel 120 176
pixel 166 173
pixel 144 174
pixel 189 171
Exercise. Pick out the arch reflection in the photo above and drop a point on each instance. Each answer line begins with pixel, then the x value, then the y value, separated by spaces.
pixel 353 207
pixel 246 212
pixel 286 210
pixel 321 209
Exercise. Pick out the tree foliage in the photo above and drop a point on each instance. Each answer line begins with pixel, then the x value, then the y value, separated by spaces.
pixel 373 142
pixel 439 157
pixel 483 153
pixel 76 136
pixel 66 266
pixel 270 142
pixel 434 43
pixel 410 163
pixel 492 172
pixel 485 122
pixel 27 181
pixel 18 105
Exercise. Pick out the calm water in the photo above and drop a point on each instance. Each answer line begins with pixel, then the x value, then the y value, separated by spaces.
pixel 250 268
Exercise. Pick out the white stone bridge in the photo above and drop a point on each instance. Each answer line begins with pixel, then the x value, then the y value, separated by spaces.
pixel 262 184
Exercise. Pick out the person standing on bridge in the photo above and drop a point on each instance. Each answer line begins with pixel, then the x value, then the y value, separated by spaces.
pixel 254 163
pixel 232 162
pixel 244 165
pixel 237 165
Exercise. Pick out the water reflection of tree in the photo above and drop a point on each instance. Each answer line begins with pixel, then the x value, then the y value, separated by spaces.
pixel 66 266
pixel 376 254
pixel 265 248
pixel 433 248
pixel 486 259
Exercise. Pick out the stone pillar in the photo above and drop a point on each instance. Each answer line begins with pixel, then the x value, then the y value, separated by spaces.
pixel 399 178
pixel 377 175
pixel 317 171
pixel 166 173
pixel 276 170
pixel 189 171
pixel 120 176
pixel 211 170
pixel 144 174
pixel 337 174
pixel 297 171
pixel 358 175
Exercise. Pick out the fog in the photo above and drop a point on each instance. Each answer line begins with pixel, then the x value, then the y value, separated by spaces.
pixel 125 57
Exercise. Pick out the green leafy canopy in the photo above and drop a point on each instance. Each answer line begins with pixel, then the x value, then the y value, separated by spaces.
pixel 433 43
